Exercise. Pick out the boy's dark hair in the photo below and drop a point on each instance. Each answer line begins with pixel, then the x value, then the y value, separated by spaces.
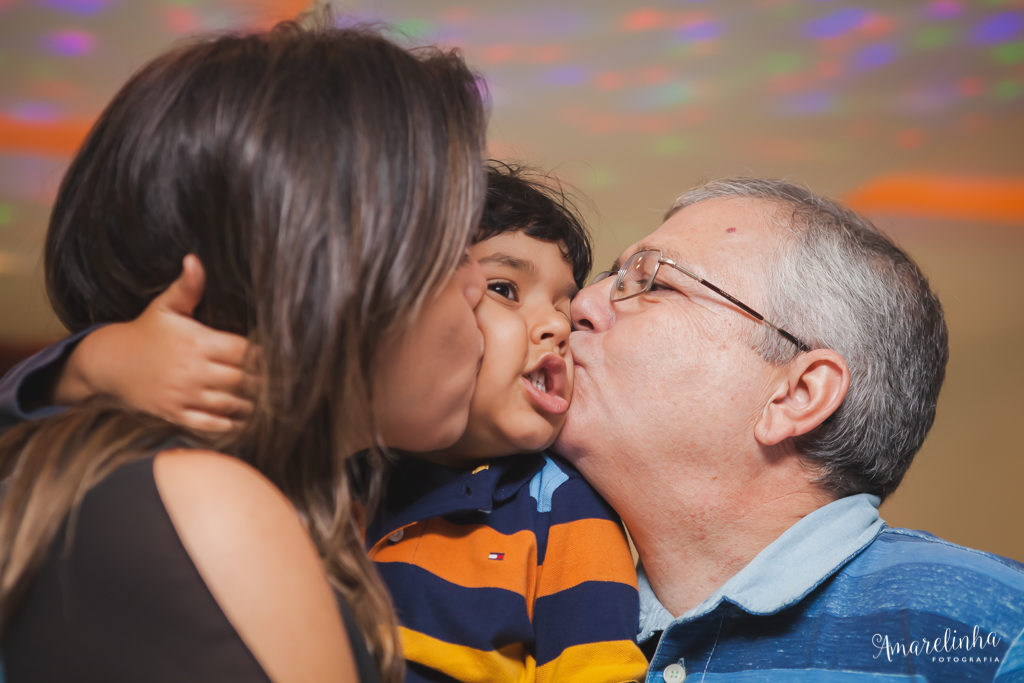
pixel 520 199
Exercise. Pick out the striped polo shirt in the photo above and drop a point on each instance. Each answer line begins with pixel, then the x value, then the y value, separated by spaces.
pixel 842 597
pixel 513 571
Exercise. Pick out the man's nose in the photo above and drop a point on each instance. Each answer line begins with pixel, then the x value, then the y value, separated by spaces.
pixel 592 310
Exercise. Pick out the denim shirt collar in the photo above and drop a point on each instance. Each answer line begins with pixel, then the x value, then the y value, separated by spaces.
pixel 787 570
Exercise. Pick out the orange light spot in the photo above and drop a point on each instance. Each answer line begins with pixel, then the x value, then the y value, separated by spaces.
pixel 909 138
pixel 499 54
pixel 970 86
pixel 610 80
pixel 548 54
pixel 59 138
pixel 998 200
pixel 642 20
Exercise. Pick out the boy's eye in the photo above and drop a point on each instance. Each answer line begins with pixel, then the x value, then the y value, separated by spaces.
pixel 504 289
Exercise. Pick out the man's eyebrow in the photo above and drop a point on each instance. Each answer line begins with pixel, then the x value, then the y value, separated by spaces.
pixel 515 262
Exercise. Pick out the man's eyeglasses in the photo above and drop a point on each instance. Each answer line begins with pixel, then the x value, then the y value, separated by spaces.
pixel 638 273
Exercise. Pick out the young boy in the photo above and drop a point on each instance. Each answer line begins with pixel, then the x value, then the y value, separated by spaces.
pixel 502 562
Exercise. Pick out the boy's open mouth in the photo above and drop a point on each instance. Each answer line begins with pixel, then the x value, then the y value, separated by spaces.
pixel 546 385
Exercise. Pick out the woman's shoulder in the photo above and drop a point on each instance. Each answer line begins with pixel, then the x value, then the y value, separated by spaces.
pixel 253 553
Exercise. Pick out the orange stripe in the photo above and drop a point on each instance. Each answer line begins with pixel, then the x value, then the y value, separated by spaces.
pixel 458 553
pixel 585 550
pixel 953 197
pixel 59 138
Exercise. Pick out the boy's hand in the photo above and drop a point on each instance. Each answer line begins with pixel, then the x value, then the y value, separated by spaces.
pixel 166 363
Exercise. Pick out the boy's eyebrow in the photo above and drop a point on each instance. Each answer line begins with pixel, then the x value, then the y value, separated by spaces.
pixel 515 262
pixel 525 266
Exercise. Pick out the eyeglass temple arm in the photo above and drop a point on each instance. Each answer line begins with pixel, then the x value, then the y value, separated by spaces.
pixel 799 344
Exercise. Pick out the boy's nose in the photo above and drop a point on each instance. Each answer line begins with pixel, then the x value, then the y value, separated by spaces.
pixel 554 329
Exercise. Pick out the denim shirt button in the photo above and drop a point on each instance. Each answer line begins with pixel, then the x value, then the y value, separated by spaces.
pixel 397 536
pixel 674 673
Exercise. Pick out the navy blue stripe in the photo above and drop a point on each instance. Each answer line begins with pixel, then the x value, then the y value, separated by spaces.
pixel 605 610
pixel 585 503
pixel 481 618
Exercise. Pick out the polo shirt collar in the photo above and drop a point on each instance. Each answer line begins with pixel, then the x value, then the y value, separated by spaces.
pixel 418 490
pixel 788 569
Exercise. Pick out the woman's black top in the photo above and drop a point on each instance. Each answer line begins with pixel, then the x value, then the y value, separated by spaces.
pixel 124 602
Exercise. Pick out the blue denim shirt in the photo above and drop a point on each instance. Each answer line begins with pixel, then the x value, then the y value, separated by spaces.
pixel 840 596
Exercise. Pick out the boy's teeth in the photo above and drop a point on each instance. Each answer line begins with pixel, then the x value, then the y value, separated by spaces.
pixel 538 381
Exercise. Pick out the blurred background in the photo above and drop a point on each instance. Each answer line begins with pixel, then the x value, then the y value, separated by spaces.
pixel 911 112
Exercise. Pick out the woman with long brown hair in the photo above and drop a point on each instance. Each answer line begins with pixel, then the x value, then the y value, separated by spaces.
pixel 328 181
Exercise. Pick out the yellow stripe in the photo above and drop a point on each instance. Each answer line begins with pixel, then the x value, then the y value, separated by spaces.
pixel 510 663
pixel 614 661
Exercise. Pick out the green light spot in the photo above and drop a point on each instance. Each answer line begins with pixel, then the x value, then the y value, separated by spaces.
pixel 1009 53
pixel 932 37
pixel 672 94
pixel 671 146
pixel 413 28
pixel 600 178
pixel 783 62
pixel 1008 90
pixel 6 214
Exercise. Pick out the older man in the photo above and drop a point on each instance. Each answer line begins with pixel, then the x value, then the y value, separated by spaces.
pixel 748 453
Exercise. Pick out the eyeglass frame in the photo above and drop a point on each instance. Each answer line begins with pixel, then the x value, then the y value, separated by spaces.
pixel 620 277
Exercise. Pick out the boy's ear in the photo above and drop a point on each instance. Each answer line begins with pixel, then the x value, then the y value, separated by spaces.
pixel 803 395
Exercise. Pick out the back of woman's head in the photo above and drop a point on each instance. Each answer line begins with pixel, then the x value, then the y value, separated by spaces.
pixel 328 180
pixel 325 176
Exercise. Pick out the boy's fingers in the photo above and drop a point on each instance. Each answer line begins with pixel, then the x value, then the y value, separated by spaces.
pixel 223 404
pixel 231 379
pixel 185 293
pixel 199 421
pixel 225 347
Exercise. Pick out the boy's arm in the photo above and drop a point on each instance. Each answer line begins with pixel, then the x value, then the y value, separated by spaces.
pixel 587 608
pixel 26 391
pixel 163 362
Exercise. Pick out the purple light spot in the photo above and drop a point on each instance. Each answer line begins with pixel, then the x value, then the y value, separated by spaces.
pixel 808 104
pixel 874 56
pixel 836 24
pixel 34 112
pixel 69 43
pixel 81 7
pixel 566 75
pixel 998 28
pixel 944 9
pixel 701 30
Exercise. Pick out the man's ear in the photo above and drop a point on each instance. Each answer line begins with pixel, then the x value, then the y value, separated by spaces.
pixel 804 393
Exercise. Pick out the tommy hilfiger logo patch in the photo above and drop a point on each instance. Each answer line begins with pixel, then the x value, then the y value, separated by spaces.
pixel 496 556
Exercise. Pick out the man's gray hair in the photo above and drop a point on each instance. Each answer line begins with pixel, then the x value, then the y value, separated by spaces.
pixel 836 282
